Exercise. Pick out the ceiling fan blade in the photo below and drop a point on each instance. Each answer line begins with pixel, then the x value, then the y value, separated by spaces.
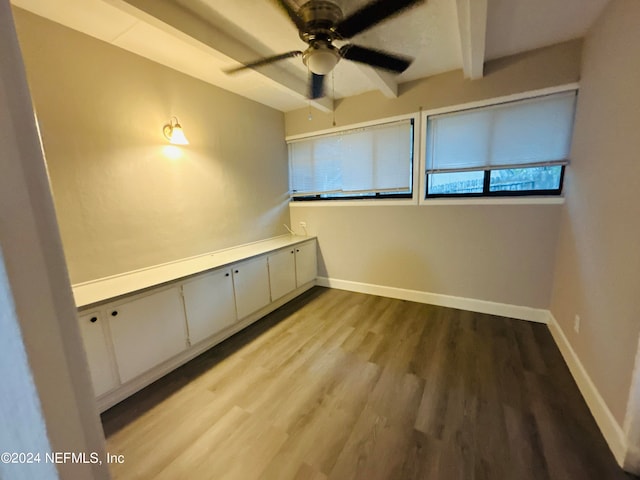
pixel 292 14
pixel 264 61
pixel 372 13
pixel 316 86
pixel 376 58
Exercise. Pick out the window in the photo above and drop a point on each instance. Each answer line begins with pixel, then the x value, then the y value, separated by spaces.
pixel 515 148
pixel 363 163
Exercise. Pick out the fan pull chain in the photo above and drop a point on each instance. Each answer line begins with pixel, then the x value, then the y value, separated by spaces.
pixel 310 117
pixel 333 95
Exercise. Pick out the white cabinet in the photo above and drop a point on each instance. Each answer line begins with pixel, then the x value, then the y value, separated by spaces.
pixel 209 304
pixel 251 286
pixel 133 340
pixel 282 272
pixel 146 331
pixel 94 336
pixel 306 263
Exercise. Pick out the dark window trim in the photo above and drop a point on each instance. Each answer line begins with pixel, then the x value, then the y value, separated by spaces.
pixel 501 193
pixel 377 196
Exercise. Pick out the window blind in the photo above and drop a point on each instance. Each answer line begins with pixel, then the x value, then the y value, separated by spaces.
pixel 527 133
pixel 372 159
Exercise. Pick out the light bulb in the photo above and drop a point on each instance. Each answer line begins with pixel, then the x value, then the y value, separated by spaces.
pixel 177 136
pixel 174 133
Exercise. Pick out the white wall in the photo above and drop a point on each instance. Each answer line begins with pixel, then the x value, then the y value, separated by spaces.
pixel 497 253
pixel 598 255
pixel 122 202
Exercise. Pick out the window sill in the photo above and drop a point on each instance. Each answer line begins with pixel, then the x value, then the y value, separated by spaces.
pixel 493 201
pixel 432 202
pixel 404 202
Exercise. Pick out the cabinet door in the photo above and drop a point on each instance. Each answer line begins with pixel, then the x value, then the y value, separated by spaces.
pixel 251 285
pixel 282 273
pixel 306 263
pixel 99 358
pixel 209 304
pixel 147 331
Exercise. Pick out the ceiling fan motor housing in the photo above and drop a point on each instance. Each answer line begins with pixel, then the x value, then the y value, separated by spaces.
pixel 320 18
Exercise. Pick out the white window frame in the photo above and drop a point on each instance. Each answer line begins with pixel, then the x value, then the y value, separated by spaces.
pixel 417 164
pixel 483 103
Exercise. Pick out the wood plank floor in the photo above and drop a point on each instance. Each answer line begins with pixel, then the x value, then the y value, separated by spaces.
pixel 339 385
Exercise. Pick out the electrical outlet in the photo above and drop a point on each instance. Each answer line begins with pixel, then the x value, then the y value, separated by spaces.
pixel 576 323
pixel 303 224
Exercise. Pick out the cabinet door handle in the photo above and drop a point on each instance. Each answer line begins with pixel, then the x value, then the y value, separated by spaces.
pixel 291 251
pixel 297 250
pixel 236 271
pixel 226 274
pixel 93 319
pixel 114 313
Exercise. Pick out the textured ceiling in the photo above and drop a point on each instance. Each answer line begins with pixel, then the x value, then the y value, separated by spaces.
pixel 202 37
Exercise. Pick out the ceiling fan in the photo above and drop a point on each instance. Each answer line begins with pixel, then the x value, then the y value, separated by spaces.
pixel 321 22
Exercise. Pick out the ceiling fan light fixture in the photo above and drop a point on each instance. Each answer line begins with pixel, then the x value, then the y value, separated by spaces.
pixel 320 23
pixel 321 60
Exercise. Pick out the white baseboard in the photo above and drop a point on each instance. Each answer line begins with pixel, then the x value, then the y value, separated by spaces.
pixel 610 428
pixel 632 460
pixel 481 306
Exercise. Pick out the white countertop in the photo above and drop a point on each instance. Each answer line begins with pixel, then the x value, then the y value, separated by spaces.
pixel 99 290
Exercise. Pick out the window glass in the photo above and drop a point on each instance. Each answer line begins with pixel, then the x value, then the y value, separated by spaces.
pixel 456 183
pixel 526 179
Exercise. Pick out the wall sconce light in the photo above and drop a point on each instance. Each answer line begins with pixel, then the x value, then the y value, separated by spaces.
pixel 173 132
